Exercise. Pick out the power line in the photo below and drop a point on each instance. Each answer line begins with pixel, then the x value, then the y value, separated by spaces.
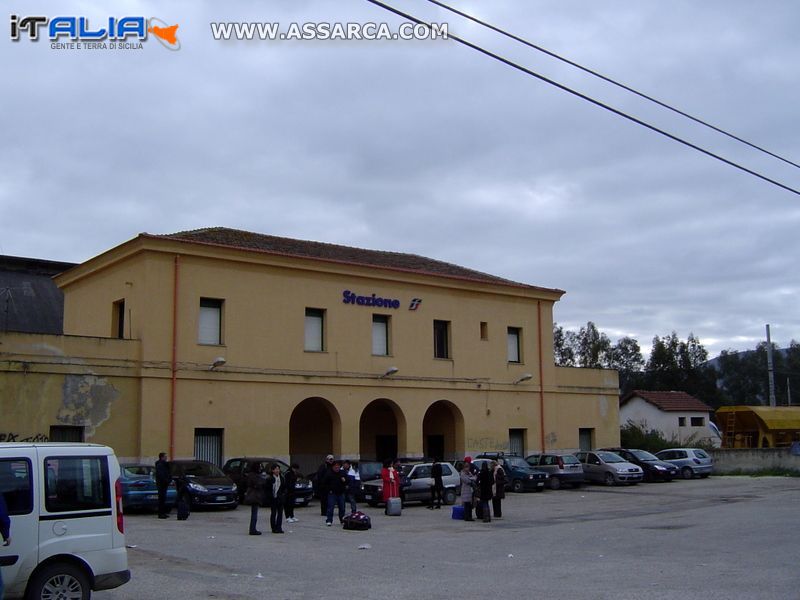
pixel 569 90
pixel 609 80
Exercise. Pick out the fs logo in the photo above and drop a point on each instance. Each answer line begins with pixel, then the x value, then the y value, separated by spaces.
pixel 77 29
pixel 415 302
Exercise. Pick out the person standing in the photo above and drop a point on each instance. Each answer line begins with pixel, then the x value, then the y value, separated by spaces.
pixel 485 482
pixel 391 481
pixel 498 490
pixel 276 495
pixel 163 479
pixel 336 484
pixel 5 532
pixel 353 483
pixel 467 487
pixel 254 494
pixel 322 473
pixel 291 477
pixel 438 485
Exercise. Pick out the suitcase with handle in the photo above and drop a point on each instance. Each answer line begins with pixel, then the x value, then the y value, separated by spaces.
pixel 394 507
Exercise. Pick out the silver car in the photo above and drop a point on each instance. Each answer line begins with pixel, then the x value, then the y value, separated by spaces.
pixel 416 484
pixel 608 468
pixel 690 461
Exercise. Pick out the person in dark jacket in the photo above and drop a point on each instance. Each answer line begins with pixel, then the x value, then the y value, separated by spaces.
pixel 276 497
pixel 353 484
pixel 163 479
pixel 254 494
pixel 336 484
pixel 5 531
pixel 291 477
pixel 437 489
pixel 322 473
pixel 499 489
pixel 485 483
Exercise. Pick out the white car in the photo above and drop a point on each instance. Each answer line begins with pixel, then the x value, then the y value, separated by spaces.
pixel 67 533
pixel 690 461
pixel 609 468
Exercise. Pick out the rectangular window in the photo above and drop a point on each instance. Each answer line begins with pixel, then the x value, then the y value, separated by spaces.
pixel 315 330
pixel 681 421
pixel 380 335
pixel 210 328
pixel 118 319
pixel 698 421
pixel 441 339
pixel 15 485
pixel 76 483
pixel 513 345
pixel 484 330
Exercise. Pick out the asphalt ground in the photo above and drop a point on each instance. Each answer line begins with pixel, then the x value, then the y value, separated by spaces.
pixel 718 538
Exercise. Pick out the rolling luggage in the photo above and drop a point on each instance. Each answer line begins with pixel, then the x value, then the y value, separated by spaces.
pixel 394 507
pixel 183 508
pixel 357 521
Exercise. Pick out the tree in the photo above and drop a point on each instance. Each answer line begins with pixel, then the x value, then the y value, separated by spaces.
pixel 626 358
pixel 564 344
pixel 594 347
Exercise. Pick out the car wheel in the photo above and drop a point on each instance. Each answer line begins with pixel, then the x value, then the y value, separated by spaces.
pixel 608 479
pixel 687 473
pixel 555 483
pixel 516 486
pixel 449 496
pixel 59 580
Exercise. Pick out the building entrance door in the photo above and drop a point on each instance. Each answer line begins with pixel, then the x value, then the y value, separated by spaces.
pixel 208 445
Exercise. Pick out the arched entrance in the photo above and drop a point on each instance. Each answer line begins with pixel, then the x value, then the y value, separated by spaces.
pixel 382 431
pixel 443 431
pixel 314 431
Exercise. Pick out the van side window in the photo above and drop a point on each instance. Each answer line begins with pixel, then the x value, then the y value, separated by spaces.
pixel 15 485
pixel 76 483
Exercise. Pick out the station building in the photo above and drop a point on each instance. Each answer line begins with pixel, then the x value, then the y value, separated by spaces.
pixel 217 343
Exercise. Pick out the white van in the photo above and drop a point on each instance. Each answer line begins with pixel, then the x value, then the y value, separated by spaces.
pixel 67 534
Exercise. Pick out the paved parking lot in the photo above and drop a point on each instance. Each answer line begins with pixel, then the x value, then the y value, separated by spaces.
pixel 719 538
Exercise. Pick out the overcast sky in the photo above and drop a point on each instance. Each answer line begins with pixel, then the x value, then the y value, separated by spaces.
pixel 431 148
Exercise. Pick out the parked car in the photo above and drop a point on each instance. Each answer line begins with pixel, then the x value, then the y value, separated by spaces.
pixel 609 468
pixel 204 483
pixel 67 526
pixel 139 491
pixel 562 467
pixel 688 461
pixel 520 476
pixel 416 484
pixel 654 468
pixel 237 469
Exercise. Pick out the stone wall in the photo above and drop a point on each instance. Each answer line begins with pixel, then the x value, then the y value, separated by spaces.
pixel 747 460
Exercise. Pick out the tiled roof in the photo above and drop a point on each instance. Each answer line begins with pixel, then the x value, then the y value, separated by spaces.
pixel 669 401
pixel 234 238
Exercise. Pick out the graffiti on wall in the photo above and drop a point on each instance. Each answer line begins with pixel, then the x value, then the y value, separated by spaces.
pixel 10 436
pixel 86 401
pixel 487 444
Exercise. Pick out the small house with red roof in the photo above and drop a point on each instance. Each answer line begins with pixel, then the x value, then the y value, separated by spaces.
pixel 677 415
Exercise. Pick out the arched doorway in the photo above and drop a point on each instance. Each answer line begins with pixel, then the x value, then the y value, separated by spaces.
pixel 443 431
pixel 382 430
pixel 314 431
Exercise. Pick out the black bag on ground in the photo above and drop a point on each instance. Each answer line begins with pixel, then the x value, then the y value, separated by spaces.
pixel 357 521
pixel 183 508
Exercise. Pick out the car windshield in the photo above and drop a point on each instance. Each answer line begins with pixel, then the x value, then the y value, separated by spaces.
pixel 700 454
pixel 201 469
pixel 138 470
pixel 645 456
pixel 569 459
pixel 369 470
pixel 610 457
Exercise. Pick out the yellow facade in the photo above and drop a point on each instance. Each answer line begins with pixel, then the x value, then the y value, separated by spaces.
pixel 272 396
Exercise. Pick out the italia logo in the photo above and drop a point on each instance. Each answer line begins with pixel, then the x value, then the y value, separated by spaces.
pixel 415 302
pixel 112 32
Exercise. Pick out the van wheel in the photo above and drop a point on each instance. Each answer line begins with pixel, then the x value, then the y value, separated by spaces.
pixel 59 581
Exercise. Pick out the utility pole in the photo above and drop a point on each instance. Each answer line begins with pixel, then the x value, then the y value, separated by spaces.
pixel 770 370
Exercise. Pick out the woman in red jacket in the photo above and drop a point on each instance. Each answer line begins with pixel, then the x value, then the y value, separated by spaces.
pixel 391 481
